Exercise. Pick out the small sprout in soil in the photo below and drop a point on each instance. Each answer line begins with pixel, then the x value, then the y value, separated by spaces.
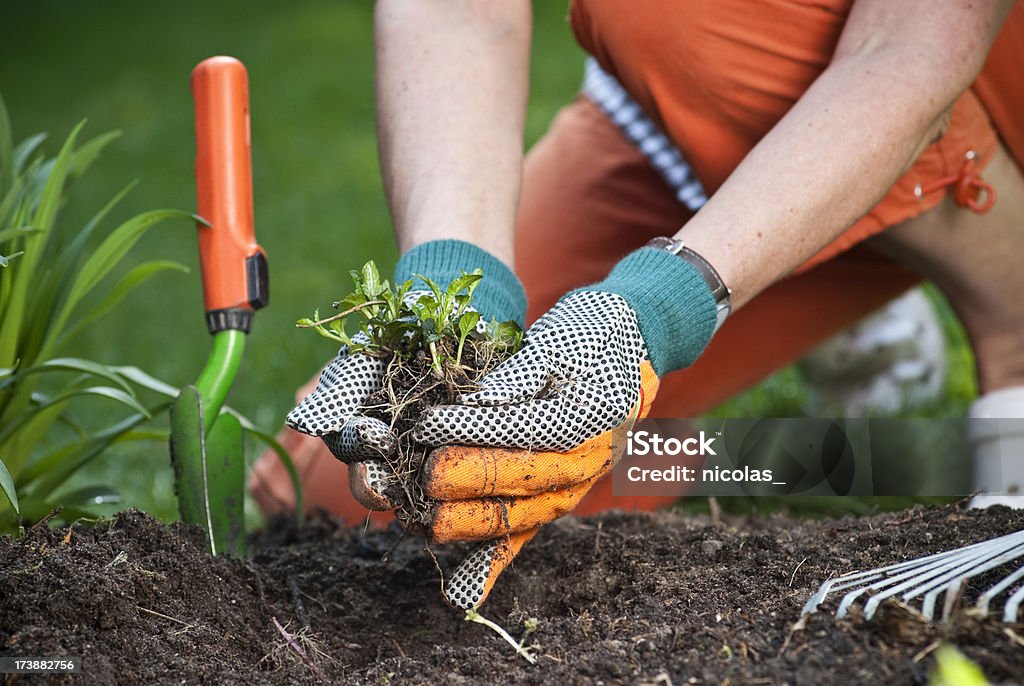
pixel 953 668
pixel 474 616
pixel 436 350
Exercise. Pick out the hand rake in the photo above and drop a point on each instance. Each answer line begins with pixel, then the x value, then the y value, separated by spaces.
pixel 998 564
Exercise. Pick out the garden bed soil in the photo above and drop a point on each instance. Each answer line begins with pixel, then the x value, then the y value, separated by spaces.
pixel 621 598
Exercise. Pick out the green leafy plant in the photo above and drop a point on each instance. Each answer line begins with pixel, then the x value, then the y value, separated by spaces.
pixel 56 287
pixel 393 324
pixel 436 350
pixel 59 284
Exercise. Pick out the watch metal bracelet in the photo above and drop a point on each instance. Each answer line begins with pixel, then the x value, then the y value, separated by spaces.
pixel 719 290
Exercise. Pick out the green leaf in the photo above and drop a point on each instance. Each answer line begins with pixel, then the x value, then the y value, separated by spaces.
pixel 90 495
pixel 70 364
pixel 67 263
pixel 463 282
pixel 508 334
pixel 105 258
pixel 116 246
pixel 468 322
pixel 6 143
pixel 17 311
pixel 129 282
pixel 10 200
pixel 22 421
pixel 49 202
pixel 349 301
pixel 141 378
pixel 371 283
pixel 89 151
pixel 7 485
pixel 24 149
pixel 953 668
pixel 271 442
pixel 45 474
pixel 434 288
pixel 17 232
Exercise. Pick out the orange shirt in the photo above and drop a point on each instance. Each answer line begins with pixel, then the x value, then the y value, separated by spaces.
pixel 717 75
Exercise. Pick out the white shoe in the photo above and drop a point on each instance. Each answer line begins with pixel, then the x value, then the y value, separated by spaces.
pixel 995 432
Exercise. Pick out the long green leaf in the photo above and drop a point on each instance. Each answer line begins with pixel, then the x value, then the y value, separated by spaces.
pixel 141 378
pixel 55 288
pixel 49 203
pixel 71 364
pixel 47 473
pixel 81 158
pixel 7 485
pixel 71 453
pixel 160 435
pixel 24 150
pixel 106 257
pixel 286 461
pixel 89 151
pixel 90 495
pixel 134 278
pixel 6 156
pixel 109 392
pixel 25 280
pixel 20 436
pixel 10 199
pixel 16 232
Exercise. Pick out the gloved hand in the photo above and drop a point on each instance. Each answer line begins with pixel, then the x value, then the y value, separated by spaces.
pixel 589 368
pixel 334 410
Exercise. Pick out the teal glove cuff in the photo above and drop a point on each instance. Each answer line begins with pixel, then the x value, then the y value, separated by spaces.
pixel 674 305
pixel 499 296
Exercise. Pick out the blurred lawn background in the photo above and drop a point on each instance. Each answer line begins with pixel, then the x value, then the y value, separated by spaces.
pixel 319 206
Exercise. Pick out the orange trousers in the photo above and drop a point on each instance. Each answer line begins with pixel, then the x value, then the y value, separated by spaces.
pixel 589 198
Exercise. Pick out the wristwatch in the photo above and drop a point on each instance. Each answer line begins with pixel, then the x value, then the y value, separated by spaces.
pixel 719 290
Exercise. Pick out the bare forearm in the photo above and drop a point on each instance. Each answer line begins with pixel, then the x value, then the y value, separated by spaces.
pixel 451 95
pixel 829 160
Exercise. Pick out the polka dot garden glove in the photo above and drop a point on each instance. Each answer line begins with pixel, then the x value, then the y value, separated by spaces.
pixel 333 410
pixel 525 448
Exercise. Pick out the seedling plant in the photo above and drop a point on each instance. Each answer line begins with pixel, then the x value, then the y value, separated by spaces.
pixel 436 346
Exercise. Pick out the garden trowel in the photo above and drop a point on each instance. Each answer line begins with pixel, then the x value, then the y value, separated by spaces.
pixel 206 445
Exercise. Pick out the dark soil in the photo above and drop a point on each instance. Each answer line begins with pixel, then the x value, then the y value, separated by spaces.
pixel 619 599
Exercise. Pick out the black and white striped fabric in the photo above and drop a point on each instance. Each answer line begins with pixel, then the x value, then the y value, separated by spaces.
pixel 609 95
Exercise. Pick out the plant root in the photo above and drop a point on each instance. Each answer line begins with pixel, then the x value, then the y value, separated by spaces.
pixel 474 616
pixel 303 645
pixel 410 387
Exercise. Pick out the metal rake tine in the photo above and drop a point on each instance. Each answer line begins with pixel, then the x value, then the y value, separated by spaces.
pixel 975 561
pixel 957 576
pixel 926 568
pixel 938 575
pixel 986 598
pixel 854 578
pixel 1013 605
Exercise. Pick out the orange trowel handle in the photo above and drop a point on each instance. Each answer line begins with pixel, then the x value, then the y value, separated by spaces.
pixel 234 266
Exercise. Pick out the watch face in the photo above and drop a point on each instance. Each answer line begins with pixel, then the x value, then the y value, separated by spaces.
pixel 673 245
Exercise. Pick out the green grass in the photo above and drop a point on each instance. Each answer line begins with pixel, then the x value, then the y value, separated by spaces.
pixel 318 200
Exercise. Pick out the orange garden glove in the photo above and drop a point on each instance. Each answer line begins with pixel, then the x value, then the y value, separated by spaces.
pixel 547 423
